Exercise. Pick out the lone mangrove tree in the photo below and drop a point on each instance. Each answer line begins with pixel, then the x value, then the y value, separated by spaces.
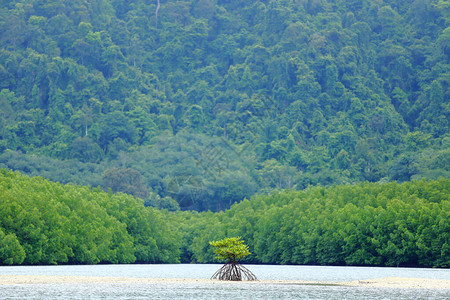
pixel 232 250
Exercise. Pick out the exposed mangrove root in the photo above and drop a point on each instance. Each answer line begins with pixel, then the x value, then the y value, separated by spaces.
pixel 234 271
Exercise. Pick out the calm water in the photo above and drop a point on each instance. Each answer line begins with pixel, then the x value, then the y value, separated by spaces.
pixel 218 290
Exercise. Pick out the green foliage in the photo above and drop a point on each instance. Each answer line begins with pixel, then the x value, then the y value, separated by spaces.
pixel 290 93
pixel 230 249
pixel 48 223
pixel 379 224
pixel 374 224
pixel 11 252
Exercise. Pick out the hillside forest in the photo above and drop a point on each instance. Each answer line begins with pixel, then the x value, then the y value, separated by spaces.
pixel 199 104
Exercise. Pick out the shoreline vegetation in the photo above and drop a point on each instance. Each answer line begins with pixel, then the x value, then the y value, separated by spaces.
pixel 370 224
pixel 387 282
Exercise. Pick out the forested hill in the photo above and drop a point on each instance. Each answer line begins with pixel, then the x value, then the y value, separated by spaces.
pixel 208 101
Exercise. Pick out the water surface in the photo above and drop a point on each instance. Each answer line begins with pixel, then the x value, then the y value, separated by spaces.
pixel 202 290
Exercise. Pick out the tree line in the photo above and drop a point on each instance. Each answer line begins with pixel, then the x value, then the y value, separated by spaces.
pixel 375 224
pixel 370 224
pixel 42 222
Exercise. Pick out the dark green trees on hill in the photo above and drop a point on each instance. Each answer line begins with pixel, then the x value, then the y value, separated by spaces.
pixel 291 93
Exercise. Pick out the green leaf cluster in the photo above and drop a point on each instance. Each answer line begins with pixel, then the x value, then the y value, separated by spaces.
pixel 230 249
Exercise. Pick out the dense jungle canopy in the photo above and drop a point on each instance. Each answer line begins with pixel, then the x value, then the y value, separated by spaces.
pixel 199 104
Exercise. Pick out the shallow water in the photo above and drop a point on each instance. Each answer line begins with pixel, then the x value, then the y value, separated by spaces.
pixel 205 271
pixel 208 291
pixel 202 290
